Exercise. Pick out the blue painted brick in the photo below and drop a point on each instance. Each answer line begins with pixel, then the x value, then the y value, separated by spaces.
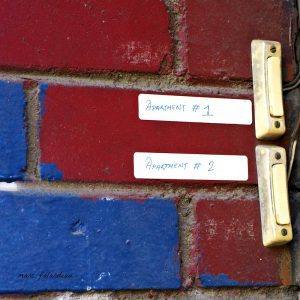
pixel 64 242
pixel 12 131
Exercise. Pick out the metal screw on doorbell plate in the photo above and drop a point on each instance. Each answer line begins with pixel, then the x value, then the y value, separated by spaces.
pixel 273 49
pixel 277 155
pixel 284 232
pixel 277 124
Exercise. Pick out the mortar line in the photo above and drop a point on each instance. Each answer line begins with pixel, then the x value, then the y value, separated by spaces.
pixel 177 28
pixel 199 293
pixel 134 81
pixel 216 192
pixel 31 91
pixel 186 222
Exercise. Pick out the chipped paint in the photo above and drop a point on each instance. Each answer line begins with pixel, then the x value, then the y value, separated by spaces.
pixel 50 172
pixel 228 245
pixel 223 280
pixel 42 95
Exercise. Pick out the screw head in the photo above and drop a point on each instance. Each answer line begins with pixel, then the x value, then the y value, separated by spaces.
pixel 273 49
pixel 277 124
pixel 284 232
pixel 277 155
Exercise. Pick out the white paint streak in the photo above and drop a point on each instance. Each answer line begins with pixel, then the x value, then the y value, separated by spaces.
pixel 8 187
pixel 235 230
pixel 140 53
pixel 103 275
pixel 211 228
pixel 240 230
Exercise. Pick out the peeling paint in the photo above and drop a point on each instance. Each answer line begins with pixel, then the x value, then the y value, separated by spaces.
pixel 223 280
pixel 42 95
pixel 50 172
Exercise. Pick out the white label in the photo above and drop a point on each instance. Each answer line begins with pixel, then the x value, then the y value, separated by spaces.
pixel 190 166
pixel 195 109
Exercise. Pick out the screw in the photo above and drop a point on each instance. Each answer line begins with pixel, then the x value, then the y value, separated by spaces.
pixel 277 124
pixel 277 155
pixel 284 232
pixel 273 49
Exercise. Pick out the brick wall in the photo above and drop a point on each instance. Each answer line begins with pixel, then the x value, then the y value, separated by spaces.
pixel 76 224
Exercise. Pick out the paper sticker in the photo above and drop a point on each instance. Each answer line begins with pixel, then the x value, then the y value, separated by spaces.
pixel 190 166
pixel 195 109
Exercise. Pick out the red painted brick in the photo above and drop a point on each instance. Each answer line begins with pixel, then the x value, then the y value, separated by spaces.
pixel 84 35
pixel 229 250
pixel 219 35
pixel 91 134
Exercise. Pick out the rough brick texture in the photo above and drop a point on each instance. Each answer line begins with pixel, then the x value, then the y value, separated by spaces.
pixel 219 35
pixel 295 215
pixel 229 250
pixel 66 242
pixel 292 109
pixel 12 131
pixel 91 134
pixel 85 35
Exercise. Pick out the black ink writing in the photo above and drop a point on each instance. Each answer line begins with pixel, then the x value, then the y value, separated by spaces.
pixel 150 165
pixel 164 107
pixel 211 166
pixel 207 112
pixel 45 275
